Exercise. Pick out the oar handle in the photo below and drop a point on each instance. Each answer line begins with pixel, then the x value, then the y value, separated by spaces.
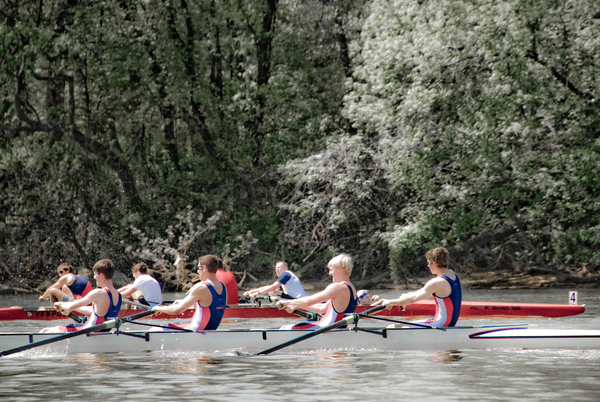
pixel 309 315
pixel 71 315
pixel 75 317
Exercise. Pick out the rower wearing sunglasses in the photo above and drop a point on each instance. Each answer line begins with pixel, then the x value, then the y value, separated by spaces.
pixel 208 296
pixel 69 286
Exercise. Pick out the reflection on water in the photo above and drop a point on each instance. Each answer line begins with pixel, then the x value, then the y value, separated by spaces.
pixel 319 375
pixel 451 356
pixel 201 365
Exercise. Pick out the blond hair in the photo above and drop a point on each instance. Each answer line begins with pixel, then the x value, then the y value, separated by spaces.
pixel 344 261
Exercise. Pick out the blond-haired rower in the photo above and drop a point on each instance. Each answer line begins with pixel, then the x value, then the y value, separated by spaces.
pixel 333 302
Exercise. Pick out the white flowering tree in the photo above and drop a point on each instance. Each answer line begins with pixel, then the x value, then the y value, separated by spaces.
pixel 481 117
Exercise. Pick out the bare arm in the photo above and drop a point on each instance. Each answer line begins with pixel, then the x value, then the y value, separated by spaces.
pixel 63 280
pixel 195 294
pixel 315 302
pixel 124 288
pixel 81 305
pixel 432 286
pixel 127 290
pixel 263 289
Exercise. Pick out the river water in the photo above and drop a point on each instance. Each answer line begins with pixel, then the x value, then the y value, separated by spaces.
pixel 341 375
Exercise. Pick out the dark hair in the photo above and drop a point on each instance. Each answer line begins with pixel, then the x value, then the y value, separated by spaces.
pixel 210 261
pixel 65 265
pixel 219 262
pixel 439 255
pixel 143 268
pixel 105 267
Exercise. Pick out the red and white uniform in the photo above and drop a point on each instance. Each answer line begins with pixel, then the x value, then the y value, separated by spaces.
pixel 207 317
pixel 447 309
pixel 331 314
pixel 95 319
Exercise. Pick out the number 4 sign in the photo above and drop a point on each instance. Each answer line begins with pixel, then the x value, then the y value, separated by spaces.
pixel 573 298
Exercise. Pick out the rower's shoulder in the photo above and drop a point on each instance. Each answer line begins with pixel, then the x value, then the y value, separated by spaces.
pixel 342 286
pixel 450 274
pixel 435 283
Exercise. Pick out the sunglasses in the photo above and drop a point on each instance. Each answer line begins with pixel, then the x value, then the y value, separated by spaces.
pixel 60 271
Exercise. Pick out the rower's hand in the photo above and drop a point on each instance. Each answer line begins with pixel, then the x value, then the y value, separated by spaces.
pixel 284 305
pixel 41 298
pixel 280 306
pixel 62 308
pixel 382 302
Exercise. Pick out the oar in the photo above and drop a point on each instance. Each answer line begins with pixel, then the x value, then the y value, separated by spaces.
pixel 309 315
pixel 140 305
pixel 71 315
pixel 75 317
pixel 349 319
pixel 268 298
pixel 105 325
pixel 409 323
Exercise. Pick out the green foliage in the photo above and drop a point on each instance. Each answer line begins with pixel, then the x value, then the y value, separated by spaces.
pixel 484 112
pixel 379 128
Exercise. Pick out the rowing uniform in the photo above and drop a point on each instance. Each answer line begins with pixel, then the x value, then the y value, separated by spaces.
pixel 331 314
pixel 291 285
pixel 447 309
pixel 150 288
pixel 207 317
pixel 95 319
pixel 80 287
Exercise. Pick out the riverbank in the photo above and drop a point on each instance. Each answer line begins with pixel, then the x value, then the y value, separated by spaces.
pixel 582 277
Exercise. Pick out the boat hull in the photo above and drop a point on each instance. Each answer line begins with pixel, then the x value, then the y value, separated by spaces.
pixel 255 340
pixel 420 309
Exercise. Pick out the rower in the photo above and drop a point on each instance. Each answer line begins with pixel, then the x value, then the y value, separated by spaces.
pixel 445 289
pixel 332 303
pixel 209 296
pixel 287 285
pixel 364 299
pixel 105 301
pixel 69 286
pixel 145 289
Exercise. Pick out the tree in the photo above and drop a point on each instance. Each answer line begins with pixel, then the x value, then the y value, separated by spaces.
pixel 487 118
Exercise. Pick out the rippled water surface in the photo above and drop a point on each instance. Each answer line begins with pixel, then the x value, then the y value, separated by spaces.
pixel 367 375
